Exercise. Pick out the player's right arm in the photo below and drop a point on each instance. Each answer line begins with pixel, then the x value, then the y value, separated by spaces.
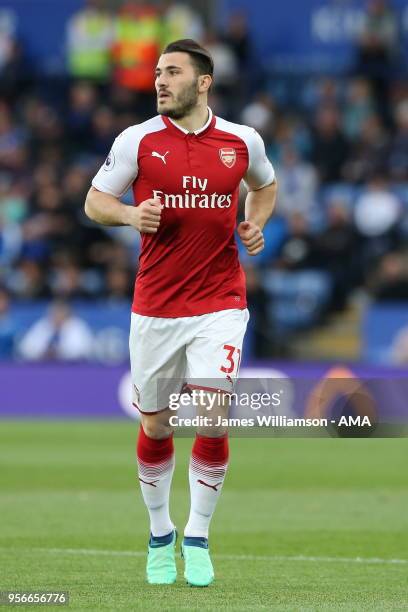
pixel 113 179
pixel 106 209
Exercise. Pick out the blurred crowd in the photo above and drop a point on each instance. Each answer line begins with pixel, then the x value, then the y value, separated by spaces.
pixel 339 146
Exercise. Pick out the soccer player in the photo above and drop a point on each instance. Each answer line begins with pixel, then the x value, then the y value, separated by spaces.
pixel 189 311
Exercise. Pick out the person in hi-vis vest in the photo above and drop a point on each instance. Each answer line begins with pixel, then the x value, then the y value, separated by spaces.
pixel 136 47
pixel 90 33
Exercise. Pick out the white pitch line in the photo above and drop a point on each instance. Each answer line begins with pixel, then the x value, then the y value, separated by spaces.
pixel 304 558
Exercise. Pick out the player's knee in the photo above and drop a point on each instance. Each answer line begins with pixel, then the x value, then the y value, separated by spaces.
pixel 155 429
pixel 212 432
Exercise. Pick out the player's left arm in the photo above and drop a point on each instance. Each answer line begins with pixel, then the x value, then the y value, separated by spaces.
pixel 259 207
pixel 260 201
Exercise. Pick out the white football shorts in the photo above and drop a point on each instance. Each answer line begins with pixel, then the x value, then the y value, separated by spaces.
pixel 166 355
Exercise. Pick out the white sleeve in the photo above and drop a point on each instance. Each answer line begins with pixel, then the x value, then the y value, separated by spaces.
pixel 120 168
pixel 260 170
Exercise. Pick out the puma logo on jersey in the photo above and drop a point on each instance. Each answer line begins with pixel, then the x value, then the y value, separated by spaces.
pixel 162 157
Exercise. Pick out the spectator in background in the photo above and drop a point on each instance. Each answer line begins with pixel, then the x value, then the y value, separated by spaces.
pixel 13 140
pixel 297 184
pixel 377 49
pixel 368 152
pixel 298 251
pixel 15 71
pixel 399 91
pixel 389 283
pixel 329 145
pixel 377 213
pixel 28 281
pixel 181 21
pixel 101 254
pixel 7 40
pixel 83 100
pixel 67 279
pixel 259 113
pixel 321 92
pixel 338 252
pixel 45 174
pixel 74 186
pixel 89 40
pixel 8 327
pixel 13 200
pixel 358 107
pixel 7 35
pixel 60 335
pixel 138 32
pixel 377 210
pixel 49 225
pixel 119 283
pixel 225 90
pixel 125 105
pixel 225 64
pixel 262 336
pixel 13 209
pixel 103 131
pixel 47 141
pixel 237 37
pixel 378 38
pixel 398 152
pixel 288 130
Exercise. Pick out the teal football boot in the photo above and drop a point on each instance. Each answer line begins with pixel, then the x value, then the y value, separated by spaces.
pixel 161 560
pixel 199 570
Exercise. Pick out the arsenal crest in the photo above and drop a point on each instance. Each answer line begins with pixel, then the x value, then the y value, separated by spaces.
pixel 228 157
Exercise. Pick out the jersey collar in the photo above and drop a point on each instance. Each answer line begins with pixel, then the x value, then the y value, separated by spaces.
pixel 207 126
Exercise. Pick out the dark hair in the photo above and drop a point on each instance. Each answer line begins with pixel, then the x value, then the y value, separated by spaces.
pixel 200 57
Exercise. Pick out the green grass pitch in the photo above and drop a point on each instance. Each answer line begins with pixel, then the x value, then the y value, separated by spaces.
pixel 302 524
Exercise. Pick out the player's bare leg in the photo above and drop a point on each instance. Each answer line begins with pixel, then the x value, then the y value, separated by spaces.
pixel 155 457
pixel 207 469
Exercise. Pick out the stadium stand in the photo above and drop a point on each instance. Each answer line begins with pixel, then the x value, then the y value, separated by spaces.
pixel 339 144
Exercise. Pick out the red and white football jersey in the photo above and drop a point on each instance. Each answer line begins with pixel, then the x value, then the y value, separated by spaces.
pixel 190 266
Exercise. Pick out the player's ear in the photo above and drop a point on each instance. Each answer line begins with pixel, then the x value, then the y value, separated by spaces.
pixel 204 83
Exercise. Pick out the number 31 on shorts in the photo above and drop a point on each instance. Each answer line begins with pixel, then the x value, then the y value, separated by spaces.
pixel 232 359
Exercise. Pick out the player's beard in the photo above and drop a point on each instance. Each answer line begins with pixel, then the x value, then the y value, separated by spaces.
pixel 184 102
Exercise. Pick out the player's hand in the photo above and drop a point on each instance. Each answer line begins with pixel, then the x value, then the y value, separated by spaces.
pixel 251 236
pixel 146 216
